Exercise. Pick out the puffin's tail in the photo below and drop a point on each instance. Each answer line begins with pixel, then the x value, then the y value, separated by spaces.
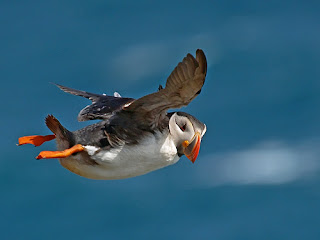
pixel 64 137
pixel 59 131
pixel 38 140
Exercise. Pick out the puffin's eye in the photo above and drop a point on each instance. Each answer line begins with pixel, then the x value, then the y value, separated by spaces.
pixel 183 128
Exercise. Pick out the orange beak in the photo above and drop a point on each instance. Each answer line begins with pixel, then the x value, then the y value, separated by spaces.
pixel 191 149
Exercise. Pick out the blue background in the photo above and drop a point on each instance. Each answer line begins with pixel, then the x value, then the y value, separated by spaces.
pixel 257 174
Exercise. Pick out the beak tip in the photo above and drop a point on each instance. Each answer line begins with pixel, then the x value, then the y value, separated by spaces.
pixel 192 149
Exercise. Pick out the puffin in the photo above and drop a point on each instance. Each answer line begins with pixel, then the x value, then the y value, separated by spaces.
pixel 133 136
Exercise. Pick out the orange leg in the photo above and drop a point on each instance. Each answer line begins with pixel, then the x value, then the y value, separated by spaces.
pixel 60 154
pixel 36 140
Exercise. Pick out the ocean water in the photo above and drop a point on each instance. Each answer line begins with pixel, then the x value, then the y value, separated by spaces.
pixel 257 174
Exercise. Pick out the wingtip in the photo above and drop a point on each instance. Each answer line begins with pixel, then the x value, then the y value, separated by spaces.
pixel 199 50
pixel 202 60
pixel 62 88
pixel 56 84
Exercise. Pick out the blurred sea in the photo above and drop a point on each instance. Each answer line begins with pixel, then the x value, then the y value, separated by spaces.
pixel 257 174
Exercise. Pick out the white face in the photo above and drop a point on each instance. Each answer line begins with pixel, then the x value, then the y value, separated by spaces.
pixel 185 133
pixel 181 129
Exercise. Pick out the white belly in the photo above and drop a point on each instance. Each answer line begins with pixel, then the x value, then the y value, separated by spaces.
pixel 126 161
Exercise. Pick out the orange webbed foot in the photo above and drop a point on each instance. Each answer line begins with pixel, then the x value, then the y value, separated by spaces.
pixel 60 154
pixel 36 140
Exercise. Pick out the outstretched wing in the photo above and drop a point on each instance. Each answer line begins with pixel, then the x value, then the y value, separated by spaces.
pixel 183 85
pixel 102 107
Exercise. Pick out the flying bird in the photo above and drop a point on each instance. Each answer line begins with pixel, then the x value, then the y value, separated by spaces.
pixel 134 137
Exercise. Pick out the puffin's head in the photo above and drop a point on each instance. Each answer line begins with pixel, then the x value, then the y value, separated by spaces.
pixel 186 132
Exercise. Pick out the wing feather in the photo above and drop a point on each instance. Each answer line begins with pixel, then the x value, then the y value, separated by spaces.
pixel 92 96
pixel 102 107
pixel 182 86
